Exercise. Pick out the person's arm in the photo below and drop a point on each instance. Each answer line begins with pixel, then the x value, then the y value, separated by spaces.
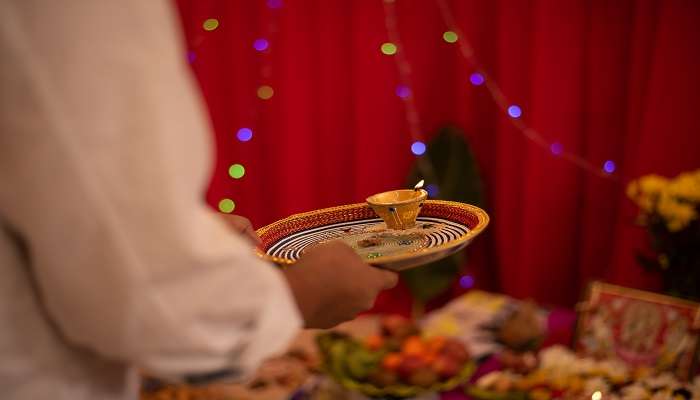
pixel 103 165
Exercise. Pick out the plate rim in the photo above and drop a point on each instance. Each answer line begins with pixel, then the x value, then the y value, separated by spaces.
pixel 482 216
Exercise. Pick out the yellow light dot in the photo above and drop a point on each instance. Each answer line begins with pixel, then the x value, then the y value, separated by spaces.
pixel 450 37
pixel 236 171
pixel 210 24
pixel 389 48
pixel 596 395
pixel 226 206
pixel 265 92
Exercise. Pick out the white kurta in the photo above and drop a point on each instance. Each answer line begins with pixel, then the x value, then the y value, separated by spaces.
pixel 109 258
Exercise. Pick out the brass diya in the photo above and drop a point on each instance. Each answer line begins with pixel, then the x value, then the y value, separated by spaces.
pixel 399 208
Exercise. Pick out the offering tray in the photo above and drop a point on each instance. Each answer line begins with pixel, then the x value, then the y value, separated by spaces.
pixel 441 229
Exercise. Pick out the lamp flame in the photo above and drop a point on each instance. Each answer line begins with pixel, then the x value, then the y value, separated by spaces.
pixel 419 185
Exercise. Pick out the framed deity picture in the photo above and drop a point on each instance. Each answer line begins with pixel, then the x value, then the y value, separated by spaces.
pixel 640 328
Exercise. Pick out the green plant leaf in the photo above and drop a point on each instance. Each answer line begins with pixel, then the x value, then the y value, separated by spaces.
pixel 452 168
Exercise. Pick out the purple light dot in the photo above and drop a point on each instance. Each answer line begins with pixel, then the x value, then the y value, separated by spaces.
pixel 274 4
pixel 191 56
pixel 476 79
pixel 261 44
pixel 556 148
pixel 467 281
pixel 432 190
pixel 244 134
pixel 418 148
pixel 609 166
pixel 403 91
pixel 515 111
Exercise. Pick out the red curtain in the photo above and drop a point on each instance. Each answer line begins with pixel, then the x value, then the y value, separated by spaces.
pixel 609 80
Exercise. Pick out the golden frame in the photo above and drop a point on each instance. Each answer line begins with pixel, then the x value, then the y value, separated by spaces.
pixel 597 290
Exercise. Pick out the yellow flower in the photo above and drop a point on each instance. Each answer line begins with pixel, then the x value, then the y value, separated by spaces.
pixel 686 186
pixel 652 185
pixel 676 214
pixel 646 190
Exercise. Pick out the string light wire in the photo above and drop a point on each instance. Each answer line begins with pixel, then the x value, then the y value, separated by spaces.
pixel 479 78
pixel 425 167
pixel 467 52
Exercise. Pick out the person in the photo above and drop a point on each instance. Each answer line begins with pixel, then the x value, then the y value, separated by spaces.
pixel 110 262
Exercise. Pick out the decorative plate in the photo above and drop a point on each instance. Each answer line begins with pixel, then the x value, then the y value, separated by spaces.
pixel 442 229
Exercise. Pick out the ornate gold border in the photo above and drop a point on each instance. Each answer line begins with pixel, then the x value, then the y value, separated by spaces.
pixel 596 288
pixel 482 216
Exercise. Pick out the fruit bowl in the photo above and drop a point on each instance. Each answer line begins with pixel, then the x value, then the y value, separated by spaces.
pixel 399 363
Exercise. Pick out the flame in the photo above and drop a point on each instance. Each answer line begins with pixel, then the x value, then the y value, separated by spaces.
pixel 419 185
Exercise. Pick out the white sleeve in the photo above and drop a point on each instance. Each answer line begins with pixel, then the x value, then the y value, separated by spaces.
pixel 104 160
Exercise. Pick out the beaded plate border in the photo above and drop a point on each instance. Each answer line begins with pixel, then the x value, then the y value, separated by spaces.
pixel 473 217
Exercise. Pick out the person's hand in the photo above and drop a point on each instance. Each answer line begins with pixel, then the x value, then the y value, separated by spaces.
pixel 243 226
pixel 332 284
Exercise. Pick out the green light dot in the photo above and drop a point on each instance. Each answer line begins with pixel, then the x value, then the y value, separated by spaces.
pixel 389 48
pixel 265 92
pixel 236 171
pixel 450 37
pixel 210 24
pixel 227 206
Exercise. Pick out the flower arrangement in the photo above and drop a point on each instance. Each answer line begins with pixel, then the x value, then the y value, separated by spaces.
pixel 669 210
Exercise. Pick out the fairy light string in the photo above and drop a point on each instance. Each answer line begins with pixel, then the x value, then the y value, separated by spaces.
pixel 263 92
pixel 395 49
pixel 481 77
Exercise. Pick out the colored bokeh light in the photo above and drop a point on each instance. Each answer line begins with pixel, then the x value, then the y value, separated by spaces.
pixel 389 48
pixel 556 148
pixel 265 92
pixel 236 171
pixel 515 111
pixel 466 281
pixel 274 4
pixel 210 24
pixel 244 134
pixel 609 166
pixel 418 148
pixel 261 44
pixel 476 79
pixel 450 37
pixel 403 91
pixel 227 206
pixel 432 189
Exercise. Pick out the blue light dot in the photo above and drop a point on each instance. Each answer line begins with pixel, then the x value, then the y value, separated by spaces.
pixel 261 44
pixel 275 4
pixel 515 111
pixel 418 148
pixel 476 79
pixel 432 190
pixel 609 166
pixel 556 148
pixel 403 91
pixel 191 56
pixel 244 134
pixel 466 281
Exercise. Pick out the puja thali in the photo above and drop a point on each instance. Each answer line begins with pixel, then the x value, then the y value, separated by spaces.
pixel 442 228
